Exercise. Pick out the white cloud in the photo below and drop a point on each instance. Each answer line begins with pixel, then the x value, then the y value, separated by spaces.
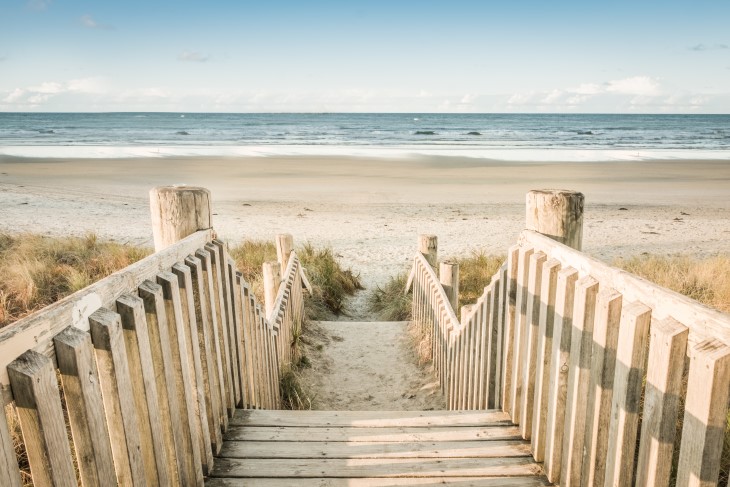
pixel 193 57
pixel 38 94
pixel 89 22
pixel 638 85
pixel 14 95
pixel 49 87
pixel 468 99
pixel 38 4
pixel 709 47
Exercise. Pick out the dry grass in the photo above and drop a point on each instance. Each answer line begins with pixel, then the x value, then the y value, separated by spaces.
pixel 389 302
pixel 38 270
pixel 475 273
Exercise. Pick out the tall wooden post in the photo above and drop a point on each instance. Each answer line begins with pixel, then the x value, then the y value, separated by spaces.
pixel 558 214
pixel 284 246
pixel 272 279
pixel 449 278
pixel 177 212
pixel 428 246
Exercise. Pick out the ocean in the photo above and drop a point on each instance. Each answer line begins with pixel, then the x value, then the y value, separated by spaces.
pixel 546 137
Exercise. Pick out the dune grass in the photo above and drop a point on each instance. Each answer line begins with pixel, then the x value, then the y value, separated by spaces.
pixel 475 273
pixel 389 302
pixel 38 270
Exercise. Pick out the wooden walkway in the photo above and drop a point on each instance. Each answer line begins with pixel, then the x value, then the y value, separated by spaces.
pixel 332 448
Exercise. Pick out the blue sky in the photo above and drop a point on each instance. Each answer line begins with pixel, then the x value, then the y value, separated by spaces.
pixel 373 56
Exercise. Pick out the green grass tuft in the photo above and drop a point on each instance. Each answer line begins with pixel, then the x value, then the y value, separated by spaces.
pixel 390 302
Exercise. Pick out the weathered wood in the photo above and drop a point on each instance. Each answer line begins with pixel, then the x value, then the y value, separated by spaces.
pixel 375 467
pixel 151 294
pixel 667 351
pixel 238 346
pixel 579 376
pixel 501 305
pixel 519 332
pixel 230 319
pixel 208 296
pixel 38 403
pixel 428 247
pixel 208 361
pixel 369 435
pixel 187 300
pixel 508 317
pixel 705 414
pixel 272 280
pixel 178 211
pixel 557 214
pixel 8 463
pixel 481 481
pixel 600 388
pixel 144 389
pixel 702 321
pixel 323 449
pixel 543 359
pixel 116 387
pixel 284 247
pixel 494 345
pixel 80 379
pixel 184 397
pixel 529 351
pixel 36 331
pixel 368 419
pixel 558 379
pixel 449 279
pixel 633 338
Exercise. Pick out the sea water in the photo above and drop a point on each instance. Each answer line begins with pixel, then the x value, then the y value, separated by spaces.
pixel 558 137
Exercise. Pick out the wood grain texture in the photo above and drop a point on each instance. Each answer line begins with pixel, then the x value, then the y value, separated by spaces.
pixel 80 379
pixel 508 329
pixel 38 404
pixel 481 481
pixel 116 387
pixel 178 211
pixel 557 214
pixel 8 463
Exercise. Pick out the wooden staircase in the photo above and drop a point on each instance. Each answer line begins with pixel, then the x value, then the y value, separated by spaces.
pixel 333 448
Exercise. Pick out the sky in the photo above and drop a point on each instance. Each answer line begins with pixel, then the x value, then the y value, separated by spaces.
pixel 366 56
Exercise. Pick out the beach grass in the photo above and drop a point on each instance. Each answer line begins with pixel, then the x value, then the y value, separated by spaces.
pixel 390 302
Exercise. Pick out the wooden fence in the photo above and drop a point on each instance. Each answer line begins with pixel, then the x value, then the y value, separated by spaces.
pixel 152 360
pixel 604 372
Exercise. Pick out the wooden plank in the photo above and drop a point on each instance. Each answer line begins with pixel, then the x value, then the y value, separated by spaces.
pixel 249 367
pixel 323 449
pixel 238 330
pixel 207 359
pixel 38 404
pixel 151 294
pixel 546 321
pixel 8 463
pixel 501 353
pixel 189 315
pixel 558 379
pixel 485 340
pixel 520 333
pixel 667 351
pixel 494 346
pixel 531 330
pixel 393 434
pixel 368 419
pixel 510 298
pixel 144 389
pixel 703 321
pixel 184 394
pixel 37 330
pixel 705 414
pixel 600 388
pixel 376 467
pixel 531 481
pixel 213 332
pixel 116 387
pixel 219 310
pixel 631 352
pixel 80 379
pixel 579 376
pixel 228 295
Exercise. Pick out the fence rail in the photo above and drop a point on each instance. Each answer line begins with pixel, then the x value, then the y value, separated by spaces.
pixel 152 360
pixel 604 372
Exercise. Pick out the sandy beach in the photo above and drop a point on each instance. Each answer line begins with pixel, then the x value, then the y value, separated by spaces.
pixel 371 210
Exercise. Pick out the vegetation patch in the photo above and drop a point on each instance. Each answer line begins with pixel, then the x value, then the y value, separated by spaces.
pixel 390 302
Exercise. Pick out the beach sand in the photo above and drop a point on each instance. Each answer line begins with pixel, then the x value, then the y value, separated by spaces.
pixel 371 212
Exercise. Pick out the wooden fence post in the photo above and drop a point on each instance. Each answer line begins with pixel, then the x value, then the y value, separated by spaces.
pixel 178 211
pixel 272 279
pixel 449 272
pixel 284 246
pixel 556 213
pixel 428 246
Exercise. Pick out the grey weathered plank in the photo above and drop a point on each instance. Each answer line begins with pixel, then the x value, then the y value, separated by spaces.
pixel 38 403
pixel 441 449
pixel 508 315
pixel 368 419
pixel 116 386
pixel 144 389
pixel 520 332
pixel 8 463
pixel 305 434
pixel 633 338
pixel 375 467
pixel 227 292
pixel 37 330
pixel 667 351
pixel 531 481
pixel 80 379
pixel 705 414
